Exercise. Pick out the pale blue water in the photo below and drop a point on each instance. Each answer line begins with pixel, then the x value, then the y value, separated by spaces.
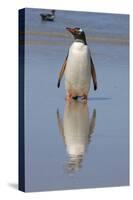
pixel 104 140
pixel 94 24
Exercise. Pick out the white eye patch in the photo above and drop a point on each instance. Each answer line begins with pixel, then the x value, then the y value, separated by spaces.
pixel 80 30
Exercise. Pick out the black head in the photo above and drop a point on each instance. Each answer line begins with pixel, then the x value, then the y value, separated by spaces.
pixel 77 33
pixel 53 12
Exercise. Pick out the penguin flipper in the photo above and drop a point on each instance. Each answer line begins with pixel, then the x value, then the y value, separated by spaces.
pixel 62 72
pixel 60 123
pixel 93 73
pixel 92 124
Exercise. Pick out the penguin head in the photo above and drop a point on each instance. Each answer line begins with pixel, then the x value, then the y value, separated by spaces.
pixel 53 12
pixel 77 33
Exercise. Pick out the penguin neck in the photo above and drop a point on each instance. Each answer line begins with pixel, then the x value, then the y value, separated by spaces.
pixel 53 13
pixel 81 39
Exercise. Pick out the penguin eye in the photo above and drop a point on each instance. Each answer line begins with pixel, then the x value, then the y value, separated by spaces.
pixel 79 30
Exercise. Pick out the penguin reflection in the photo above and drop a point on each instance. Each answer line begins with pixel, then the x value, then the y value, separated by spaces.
pixel 76 129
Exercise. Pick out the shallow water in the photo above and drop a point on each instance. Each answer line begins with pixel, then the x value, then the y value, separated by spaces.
pixel 76 145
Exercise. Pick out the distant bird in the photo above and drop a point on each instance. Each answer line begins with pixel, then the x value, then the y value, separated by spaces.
pixel 78 67
pixel 48 17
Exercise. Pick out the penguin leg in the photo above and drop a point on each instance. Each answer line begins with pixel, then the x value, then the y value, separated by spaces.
pixel 68 97
pixel 84 98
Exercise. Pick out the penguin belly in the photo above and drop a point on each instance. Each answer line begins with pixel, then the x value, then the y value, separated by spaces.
pixel 78 70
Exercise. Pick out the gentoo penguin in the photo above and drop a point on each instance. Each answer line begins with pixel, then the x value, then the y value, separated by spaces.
pixel 76 129
pixel 78 67
pixel 48 17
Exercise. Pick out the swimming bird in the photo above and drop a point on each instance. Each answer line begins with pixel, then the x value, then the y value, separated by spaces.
pixel 78 67
pixel 48 17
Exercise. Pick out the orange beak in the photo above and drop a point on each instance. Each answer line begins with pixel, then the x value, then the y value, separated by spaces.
pixel 71 30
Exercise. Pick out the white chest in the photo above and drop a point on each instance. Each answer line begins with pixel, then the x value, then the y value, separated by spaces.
pixel 79 54
pixel 78 71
